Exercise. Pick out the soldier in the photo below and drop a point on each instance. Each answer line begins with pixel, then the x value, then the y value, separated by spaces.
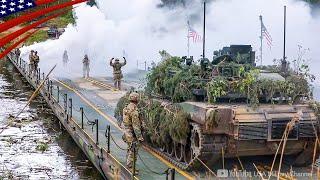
pixel 17 53
pixel 36 60
pixel 31 56
pixel 133 127
pixel 86 67
pixel 31 61
pixel 117 74
pixel 65 58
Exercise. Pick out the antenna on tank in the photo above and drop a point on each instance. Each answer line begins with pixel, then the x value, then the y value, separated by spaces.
pixel 204 30
pixel 261 38
pixel 284 63
pixel 284 32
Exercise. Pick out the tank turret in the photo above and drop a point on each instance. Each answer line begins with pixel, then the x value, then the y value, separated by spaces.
pixel 242 54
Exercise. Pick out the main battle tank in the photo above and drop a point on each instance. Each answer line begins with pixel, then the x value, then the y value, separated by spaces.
pixel 226 107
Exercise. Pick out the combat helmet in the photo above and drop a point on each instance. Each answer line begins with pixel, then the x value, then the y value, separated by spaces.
pixel 134 97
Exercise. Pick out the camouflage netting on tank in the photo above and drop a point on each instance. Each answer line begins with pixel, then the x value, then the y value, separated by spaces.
pixel 216 88
pixel 120 106
pixel 211 119
pixel 163 123
pixel 291 89
pixel 154 112
pixel 179 128
pixel 316 107
pixel 160 122
pixel 175 81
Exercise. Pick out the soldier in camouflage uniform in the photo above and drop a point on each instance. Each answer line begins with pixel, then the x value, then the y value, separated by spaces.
pixel 31 61
pixel 65 58
pixel 133 127
pixel 17 53
pixel 86 66
pixel 117 73
pixel 36 60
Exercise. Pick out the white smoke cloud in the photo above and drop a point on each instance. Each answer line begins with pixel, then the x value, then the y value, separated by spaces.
pixel 142 29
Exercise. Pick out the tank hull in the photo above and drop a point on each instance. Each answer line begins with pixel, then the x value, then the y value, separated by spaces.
pixel 239 131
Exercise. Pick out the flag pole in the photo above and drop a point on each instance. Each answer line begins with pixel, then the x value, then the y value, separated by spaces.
pixel 188 36
pixel 204 30
pixel 261 39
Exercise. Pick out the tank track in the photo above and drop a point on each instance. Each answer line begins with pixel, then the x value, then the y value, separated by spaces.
pixel 208 149
pixel 210 145
pixel 164 155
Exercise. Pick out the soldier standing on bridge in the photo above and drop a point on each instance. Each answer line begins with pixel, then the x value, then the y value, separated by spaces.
pixel 36 60
pixel 17 53
pixel 65 58
pixel 86 66
pixel 133 128
pixel 31 61
pixel 117 73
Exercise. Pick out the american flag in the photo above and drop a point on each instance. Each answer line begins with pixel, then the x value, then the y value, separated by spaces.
pixel 8 7
pixel 37 17
pixel 194 35
pixel 266 35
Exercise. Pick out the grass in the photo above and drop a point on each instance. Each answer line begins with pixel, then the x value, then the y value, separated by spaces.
pixel 39 36
pixel 63 20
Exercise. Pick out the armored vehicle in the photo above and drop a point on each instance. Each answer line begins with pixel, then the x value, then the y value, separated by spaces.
pixel 54 32
pixel 227 107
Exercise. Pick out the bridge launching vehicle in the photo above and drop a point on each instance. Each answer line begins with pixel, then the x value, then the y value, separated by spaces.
pixel 226 107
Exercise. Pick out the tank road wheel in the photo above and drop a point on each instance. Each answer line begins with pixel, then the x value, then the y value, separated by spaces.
pixel 162 148
pixel 182 152
pixel 178 151
pixel 305 157
pixel 169 148
pixel 186 153
pixel 196 140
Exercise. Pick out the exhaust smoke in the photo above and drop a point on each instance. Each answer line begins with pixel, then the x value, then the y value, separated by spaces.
pixel 139 29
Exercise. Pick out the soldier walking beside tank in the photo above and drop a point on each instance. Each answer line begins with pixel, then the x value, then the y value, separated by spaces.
pixel 86 66
pixel 133 128
pixel 117 73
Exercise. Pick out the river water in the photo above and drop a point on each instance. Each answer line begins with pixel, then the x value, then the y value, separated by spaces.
pixel 34 146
